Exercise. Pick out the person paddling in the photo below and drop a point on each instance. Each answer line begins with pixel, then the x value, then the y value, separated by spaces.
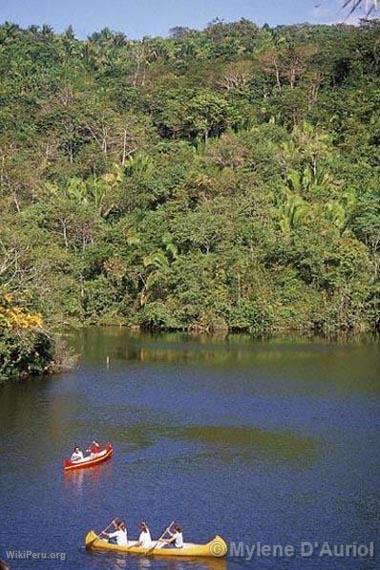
pixel 176 537
pixel 145 539
pixel 76 455
pixel 119 536
pixel 94 448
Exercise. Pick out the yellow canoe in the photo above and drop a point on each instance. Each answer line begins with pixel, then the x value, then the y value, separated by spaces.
pixel 217 547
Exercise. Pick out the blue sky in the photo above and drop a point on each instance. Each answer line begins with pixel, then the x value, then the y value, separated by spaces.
pixel 137 18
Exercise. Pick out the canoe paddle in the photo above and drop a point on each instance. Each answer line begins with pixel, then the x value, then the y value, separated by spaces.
pixel 99 535
pixel 160 539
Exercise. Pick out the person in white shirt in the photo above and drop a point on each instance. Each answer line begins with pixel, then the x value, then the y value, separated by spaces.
pixel 145 539
pixel 119 536
pixel 77 454
pixel 176 537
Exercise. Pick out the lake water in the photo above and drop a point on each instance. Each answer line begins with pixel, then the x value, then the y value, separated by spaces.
pixel 272 442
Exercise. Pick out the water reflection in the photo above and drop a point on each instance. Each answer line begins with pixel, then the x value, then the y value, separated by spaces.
pixel 144 564
pixel 225 443
pixel 253 441
pixel 116 561
pixel 317 360
pixel 200 564
pixel 77 480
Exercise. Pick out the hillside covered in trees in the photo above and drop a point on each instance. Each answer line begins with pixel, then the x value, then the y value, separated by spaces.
pixel 225 178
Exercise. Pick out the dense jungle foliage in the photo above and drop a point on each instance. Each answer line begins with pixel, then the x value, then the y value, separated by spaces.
pixel 218 179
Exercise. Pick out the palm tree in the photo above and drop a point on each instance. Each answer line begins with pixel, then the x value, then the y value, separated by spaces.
pixel 342 213
pixel 369 5
pixel 157 263
pixel 293 212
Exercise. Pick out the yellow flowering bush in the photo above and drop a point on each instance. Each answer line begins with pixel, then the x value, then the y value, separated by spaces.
pixel 25 348
pixel 13 316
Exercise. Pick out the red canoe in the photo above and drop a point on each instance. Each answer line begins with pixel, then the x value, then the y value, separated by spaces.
pixel 103 455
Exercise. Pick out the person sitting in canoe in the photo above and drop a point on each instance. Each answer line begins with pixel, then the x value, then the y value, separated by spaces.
pixel 94 449
pixel 76 455
pixel 145 539
pixel 119 536
pixel 176 537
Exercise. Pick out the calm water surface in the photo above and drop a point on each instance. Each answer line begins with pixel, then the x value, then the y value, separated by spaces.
pixel 261 441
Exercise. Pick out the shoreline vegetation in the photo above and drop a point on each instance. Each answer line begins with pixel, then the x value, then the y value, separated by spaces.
pixel 211 181
pixel 26 347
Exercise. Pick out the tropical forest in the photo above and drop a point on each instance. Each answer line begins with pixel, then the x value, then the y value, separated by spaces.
pixel 216 180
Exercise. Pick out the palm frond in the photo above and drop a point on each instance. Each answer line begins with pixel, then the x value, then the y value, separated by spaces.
pixel 353 5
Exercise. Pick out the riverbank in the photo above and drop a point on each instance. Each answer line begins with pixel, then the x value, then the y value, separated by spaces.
pixel 27 347
pixel 37 352
pixel 221 331
pixel 32 353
